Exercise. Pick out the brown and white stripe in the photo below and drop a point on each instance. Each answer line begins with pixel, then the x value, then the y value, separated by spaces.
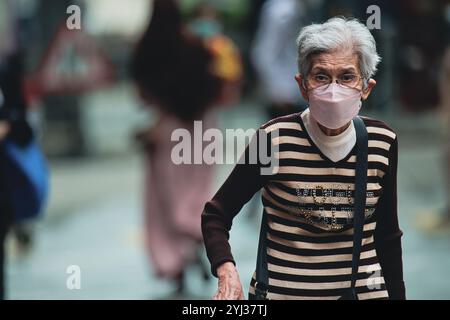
pixel 305 259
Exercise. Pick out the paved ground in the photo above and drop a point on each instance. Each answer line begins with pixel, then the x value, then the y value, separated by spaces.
pixel 94 222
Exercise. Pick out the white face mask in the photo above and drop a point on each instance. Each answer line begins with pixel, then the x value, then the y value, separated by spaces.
pixel 335 105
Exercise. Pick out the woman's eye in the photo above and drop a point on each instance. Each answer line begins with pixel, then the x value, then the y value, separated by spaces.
pixel 348 78
pixel 321 78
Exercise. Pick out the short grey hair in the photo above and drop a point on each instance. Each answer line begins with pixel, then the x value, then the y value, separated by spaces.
pixel 338 33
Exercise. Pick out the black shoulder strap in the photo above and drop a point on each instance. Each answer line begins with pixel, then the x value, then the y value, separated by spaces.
pixel 360 197
pixel 262 274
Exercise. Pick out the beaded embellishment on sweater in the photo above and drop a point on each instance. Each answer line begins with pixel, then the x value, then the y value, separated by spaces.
pixel 330 209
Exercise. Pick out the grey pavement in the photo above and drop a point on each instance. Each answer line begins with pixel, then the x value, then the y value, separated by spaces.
pixel 94 221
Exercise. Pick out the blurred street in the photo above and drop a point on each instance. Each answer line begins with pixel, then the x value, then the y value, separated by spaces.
pixel 87 88
pixel 99 228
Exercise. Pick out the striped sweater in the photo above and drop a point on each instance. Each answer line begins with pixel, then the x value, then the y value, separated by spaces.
pixel 309 208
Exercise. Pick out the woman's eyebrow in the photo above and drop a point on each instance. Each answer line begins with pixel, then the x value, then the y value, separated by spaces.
pixel 320 69
pixel 346 69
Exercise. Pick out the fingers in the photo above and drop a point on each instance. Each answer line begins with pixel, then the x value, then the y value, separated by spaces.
pixel 220 294
pixel 230 289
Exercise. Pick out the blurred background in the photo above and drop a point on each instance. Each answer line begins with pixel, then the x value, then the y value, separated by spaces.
pixel 82 96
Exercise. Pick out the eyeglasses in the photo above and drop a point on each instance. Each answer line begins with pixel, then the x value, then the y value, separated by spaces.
pixel 350 80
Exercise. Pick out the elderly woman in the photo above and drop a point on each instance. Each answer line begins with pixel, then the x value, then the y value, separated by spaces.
pixel 308 203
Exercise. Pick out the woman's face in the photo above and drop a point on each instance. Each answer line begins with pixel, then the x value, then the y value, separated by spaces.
pixel 336 65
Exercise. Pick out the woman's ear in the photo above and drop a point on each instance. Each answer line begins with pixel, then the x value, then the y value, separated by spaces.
pixel 299 80
pixel 370 85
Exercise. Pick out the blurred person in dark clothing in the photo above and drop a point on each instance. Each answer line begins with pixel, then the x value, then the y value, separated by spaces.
pixel 438 221
pixel 419 51
pixel 444 89
pixel 248 29
pixel 5 212
pixel 444 86
pixel 177 75
pixel 23 169
pixel 12 126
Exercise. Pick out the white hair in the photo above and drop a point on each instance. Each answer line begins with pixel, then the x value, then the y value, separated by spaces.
pixel 335 34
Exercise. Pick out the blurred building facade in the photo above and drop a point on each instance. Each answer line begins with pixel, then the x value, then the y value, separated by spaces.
pixel 82 124
pixel 412 42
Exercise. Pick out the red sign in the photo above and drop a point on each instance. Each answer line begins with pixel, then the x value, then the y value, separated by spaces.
pixel 73 64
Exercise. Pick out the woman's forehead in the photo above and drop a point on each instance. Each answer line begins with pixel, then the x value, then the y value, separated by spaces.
pixel 335 61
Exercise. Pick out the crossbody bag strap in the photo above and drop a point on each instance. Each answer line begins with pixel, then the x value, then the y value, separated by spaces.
pixel 262 273
pixel 360 196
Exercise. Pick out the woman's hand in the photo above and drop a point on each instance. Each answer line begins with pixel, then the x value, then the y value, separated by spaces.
pixel 230 287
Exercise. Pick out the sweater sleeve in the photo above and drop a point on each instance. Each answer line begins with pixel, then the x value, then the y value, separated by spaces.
pixel 388 234
pixel 243 182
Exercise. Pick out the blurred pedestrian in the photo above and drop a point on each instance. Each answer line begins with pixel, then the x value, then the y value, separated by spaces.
pixel 12 126
pixel 15 135
pixel 5 210
pixel 206 23
pixel 438 221
pixel 444 89
pixel 274 55
pixel 23 169
pixel 176 73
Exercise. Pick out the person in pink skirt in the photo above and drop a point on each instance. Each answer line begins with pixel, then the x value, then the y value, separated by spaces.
pixel 175 72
